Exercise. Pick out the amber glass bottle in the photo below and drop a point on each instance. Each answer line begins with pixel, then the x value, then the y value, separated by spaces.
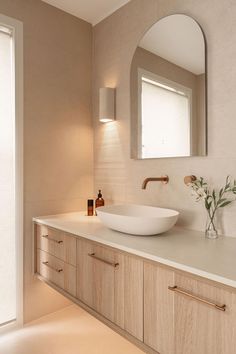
pixel 90 207
pixel 99 201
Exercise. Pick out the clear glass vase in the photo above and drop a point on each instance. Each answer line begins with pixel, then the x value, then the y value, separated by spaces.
pixel 211 231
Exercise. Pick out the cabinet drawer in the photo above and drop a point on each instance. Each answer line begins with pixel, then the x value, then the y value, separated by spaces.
pixel 58 272
pixel 57 243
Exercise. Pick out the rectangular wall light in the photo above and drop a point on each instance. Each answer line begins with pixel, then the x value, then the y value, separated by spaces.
pixel 106 104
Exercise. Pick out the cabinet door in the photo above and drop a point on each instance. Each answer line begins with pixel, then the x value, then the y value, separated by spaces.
pixel 99 278
pixel 158 308
pixel 199 327
pixel 133 296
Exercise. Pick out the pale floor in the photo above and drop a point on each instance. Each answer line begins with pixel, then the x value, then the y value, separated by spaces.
pixel 69 331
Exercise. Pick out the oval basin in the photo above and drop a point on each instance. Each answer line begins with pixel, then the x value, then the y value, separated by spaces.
pixel 137 219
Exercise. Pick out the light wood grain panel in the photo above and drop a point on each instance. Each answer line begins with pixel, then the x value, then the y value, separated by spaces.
pixel 99 285
pixel 70 279
pixel 133 296
pixel 200 328
pixel 104 282
pixel 158 308
pixel 84 266
pixel 119 290
pixel 57 243
pixel 69 249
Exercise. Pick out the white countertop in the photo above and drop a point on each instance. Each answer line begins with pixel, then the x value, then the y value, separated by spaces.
pixel 183 249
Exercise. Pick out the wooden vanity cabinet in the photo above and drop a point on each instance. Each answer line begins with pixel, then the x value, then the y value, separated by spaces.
pixel 161 309
pixel 200 327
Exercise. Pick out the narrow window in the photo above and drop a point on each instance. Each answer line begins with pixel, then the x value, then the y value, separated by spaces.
pixel 7 181
pixel 11 104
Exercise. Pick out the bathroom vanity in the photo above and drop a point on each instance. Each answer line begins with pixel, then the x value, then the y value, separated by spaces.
pixel 170 294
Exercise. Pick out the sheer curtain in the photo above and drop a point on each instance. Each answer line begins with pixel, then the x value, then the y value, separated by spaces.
pixel 7 181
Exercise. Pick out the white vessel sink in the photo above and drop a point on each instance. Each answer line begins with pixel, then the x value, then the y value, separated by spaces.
pixel 137 219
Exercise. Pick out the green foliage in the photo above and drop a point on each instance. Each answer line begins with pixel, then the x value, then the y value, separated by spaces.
pixel 213 199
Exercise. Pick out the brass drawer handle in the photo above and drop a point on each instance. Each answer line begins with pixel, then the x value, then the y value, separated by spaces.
pixel 51 239
pixel 194 297
pixel 93 255
pixel 55 269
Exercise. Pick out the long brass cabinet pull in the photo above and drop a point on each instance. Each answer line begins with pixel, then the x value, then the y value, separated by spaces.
pixel 93 255
pixel 51 239
pixel 55 269
pixel 197 298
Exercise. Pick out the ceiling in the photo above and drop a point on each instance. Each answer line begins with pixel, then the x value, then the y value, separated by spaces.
pixel 178 39
pixel 92 11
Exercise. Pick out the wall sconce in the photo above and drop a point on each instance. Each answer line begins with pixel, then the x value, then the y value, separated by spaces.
pixel 106 104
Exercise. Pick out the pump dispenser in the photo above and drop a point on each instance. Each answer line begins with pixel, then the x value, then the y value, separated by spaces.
pixel 99 201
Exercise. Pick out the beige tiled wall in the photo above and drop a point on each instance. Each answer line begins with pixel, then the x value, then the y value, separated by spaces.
pixel 58 159
pixel 115 40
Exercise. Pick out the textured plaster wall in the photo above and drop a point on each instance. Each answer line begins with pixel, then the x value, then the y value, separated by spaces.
pixel 58 157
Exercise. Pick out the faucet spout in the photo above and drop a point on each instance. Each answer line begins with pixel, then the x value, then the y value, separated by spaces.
pixel 163 179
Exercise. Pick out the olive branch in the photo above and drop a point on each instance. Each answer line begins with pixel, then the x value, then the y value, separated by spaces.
pixel 213 200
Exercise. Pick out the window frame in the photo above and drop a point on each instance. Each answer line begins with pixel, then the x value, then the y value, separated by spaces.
pixel 16 27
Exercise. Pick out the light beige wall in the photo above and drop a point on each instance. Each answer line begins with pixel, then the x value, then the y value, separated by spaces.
pixel 201 112
pixel 159 66
pixel 58 174
pixel 115 40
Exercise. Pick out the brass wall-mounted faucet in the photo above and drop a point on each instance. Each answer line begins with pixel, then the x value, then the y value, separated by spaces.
pixel 163 179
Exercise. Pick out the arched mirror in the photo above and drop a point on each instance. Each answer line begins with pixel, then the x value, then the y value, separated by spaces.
pixel 168 91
